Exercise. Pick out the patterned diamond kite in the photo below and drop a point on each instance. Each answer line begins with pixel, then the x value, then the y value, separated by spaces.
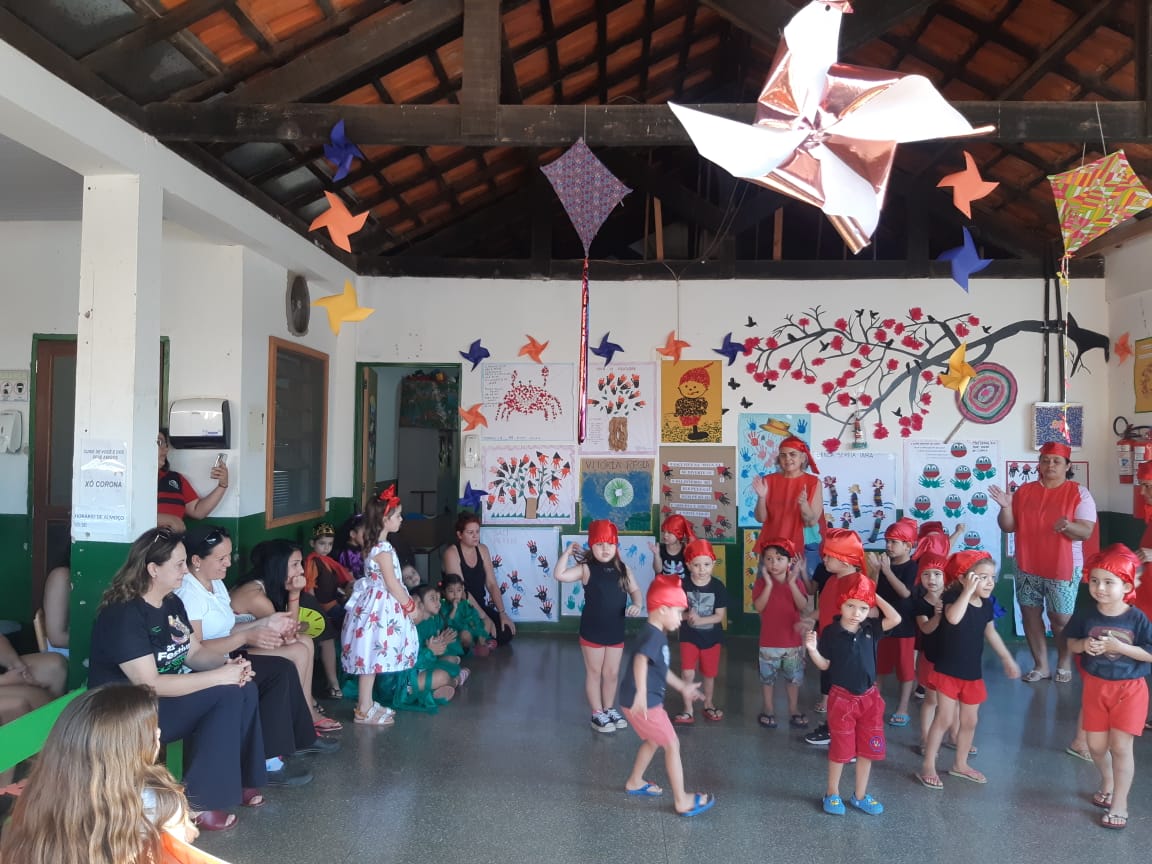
pixel 1096 197
pixel 586 188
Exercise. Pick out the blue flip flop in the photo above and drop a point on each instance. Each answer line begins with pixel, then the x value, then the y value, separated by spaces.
pixel 646 791
pixel 700 805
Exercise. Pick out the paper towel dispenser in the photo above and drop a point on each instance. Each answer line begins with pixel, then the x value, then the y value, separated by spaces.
pixel 200 424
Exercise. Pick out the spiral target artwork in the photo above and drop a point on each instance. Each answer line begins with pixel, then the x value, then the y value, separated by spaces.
pixel 990 395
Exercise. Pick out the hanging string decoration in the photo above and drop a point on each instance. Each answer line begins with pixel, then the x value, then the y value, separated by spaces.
pixel 589 192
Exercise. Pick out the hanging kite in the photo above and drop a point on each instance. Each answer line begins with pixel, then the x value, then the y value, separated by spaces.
pixel 825 132
pixel 589 192
pixel 1095 198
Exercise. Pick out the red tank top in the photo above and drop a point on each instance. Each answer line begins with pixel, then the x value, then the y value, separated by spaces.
pixel 1040 550
pixel 782 510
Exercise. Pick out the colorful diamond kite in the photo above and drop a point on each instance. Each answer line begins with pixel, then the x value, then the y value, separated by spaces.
pixel 1094 198
pixel 586 188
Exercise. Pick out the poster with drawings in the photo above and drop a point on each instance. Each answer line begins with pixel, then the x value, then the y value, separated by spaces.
pixel 524 485
pixel 948 483
pixel 635 551
pixel 616 489
pixel 758 438
pixel 621 409
pixel 528 401
pixel 860 493
pixel 749 565
pixel 522 561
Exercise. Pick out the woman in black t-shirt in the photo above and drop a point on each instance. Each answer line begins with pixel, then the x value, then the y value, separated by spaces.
pixel 142 634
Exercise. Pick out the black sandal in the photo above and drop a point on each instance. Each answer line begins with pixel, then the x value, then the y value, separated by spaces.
pixel 768 721
pixel 799 721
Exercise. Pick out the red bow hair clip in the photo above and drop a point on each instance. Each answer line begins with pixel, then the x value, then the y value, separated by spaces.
pixel 388 498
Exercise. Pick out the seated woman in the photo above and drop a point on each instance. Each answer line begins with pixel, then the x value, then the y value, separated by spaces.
pixel 284 715
pixel 105 739
pixel 57 595
pixel 275 584
pixel 175 497
pixel 141 634
pixel 470 559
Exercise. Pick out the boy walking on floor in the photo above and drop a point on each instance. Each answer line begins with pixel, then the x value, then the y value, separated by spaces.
pixel 846 649
pixel 642 699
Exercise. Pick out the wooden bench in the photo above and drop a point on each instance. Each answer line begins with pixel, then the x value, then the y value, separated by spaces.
pixel 25 736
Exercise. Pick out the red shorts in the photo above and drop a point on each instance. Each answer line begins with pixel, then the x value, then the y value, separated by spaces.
pixel 924 670
pixel 897 654
pixel 1108 705
pixel 656 728
pixel 961 689
pixel 856 724
pixel 584 643
pixel 707 658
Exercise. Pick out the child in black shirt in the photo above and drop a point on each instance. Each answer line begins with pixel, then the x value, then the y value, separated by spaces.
pixel 847 650
pixel 895 577
pixel 642 699
pixel 702 632
pixel 1116 641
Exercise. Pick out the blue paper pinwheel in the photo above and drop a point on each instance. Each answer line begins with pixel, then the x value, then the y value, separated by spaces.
pixel 965 261
pixel 340 151
pixel 606 349
pixel 475 353
pixel 730 349
pixel 471 498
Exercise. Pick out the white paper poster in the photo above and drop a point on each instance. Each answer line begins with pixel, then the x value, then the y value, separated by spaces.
pixel 529 401
pixel 948 483
pixel 621 409
pixel 635 551
pixel 860 493
pixel 522 561
pixel 101 506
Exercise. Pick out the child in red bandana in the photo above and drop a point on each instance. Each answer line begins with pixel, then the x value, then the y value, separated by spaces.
pixel 846 649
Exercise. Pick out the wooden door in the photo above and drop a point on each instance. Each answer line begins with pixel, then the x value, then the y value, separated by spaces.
pixel 53 422
pixel 368 419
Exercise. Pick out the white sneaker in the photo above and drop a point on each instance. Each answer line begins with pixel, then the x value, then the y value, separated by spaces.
pixel 601 722
pixel 617 718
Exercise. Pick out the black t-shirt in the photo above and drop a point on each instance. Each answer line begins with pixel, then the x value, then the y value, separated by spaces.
pixel 672 565
pixel 851 656
pixel 960 647
pixel 136 628
pixel 820 576
pixel 704 601
pixel 920 606
pixel 906 573
pixel 653 644
pixel 602 621
pixel 1132 626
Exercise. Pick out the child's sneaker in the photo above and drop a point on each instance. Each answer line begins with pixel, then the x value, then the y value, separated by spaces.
pixel 617 718
pixel 820 736
pixel 834 805
pixel 919 692
pixel 868 804
pixel 601 722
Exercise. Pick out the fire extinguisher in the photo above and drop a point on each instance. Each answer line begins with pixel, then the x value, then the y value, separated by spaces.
pixel 1132 447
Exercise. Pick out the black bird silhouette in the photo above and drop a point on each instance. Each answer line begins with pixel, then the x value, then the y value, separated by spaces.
pixel 986 329
pixel 899 412
pixel 1086 340
pixel 859 313
pixel 823 346
pixel 733 383
pixel 751 323
pixel 725 410
pixel 744 403
pixel 791 337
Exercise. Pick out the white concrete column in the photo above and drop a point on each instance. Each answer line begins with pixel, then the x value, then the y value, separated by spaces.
pixel 118 338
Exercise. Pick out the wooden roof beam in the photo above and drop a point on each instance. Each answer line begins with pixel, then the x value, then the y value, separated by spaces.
pixel 480 88
pixel 355 52
pixel 154 30
pixel 600 125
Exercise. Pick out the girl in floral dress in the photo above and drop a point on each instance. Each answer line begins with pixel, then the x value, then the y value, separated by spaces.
pixel 378 635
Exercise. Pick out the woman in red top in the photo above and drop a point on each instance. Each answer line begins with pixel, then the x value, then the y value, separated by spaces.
pixel 790 500
pixel 1143 600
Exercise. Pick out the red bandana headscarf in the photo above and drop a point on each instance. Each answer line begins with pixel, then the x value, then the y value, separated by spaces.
pixel 697 548
pixel 903 530
pixel 1118 560
pixel 1055 448
pixel 602 531
pixel 678 525
pixel 961 563
pixel 844 545
pixel 794 443
pixel 859 587
pixel 666 590
pixel 786 546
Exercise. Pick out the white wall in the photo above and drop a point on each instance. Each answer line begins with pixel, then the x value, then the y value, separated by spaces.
pixel 429 321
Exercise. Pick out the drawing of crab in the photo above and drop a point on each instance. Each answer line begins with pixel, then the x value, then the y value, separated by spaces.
pixel 528 398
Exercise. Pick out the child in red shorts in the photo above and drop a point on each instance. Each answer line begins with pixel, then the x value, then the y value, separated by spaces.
pixel 957 677
pixel 702 632
pixel 846 649
pixel 928 607
pixel 895 577
pixel 1115 639
pixel 642 699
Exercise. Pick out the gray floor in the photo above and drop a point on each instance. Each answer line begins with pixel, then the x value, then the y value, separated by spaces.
pixel 511 772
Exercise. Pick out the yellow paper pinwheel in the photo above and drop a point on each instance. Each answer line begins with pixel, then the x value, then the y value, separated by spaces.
pixel 959 372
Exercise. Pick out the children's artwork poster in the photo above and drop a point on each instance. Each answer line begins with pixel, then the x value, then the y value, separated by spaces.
pixel 619 490
pixel 526 485
pixel 635 551
pixel 699 483
pixel 621 415
pixel 1018 472
pixel 948 482
pixel 1062 422
pixel 529 401
pixel 691 397
pixel 522 562
pixel 758 441
pixel 1142 375
pixel 860 493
